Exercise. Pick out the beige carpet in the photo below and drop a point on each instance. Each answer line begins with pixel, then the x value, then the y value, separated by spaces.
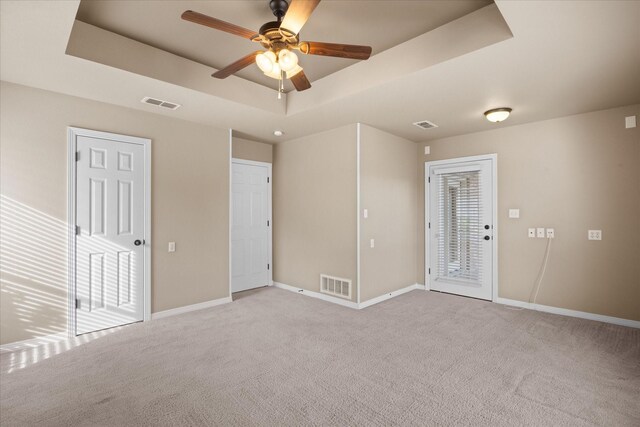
pixel 276 358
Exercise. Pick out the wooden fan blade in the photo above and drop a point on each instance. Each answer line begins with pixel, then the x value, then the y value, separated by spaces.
pixel 300 81
pixel 351 51
pixel 297 15
pixel 236 66
pixel 217 24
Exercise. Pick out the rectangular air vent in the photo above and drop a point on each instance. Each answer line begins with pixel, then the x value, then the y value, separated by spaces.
pixel 160 103
pixel 425 124
pixel 335 286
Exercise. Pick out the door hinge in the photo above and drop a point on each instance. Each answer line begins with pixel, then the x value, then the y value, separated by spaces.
pixel 77 156
pixel 77 303
pixel 268 267
pixel 429 271
pixel 429 225
pixel 429 180
pixel 77 230
pixel 267 180
pixel 267 223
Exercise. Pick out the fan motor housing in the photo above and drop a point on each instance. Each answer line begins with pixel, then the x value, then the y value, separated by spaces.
pixel 273 38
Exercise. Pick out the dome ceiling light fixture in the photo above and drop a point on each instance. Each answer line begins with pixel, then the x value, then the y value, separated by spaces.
pixel 280 38
pixel 497 115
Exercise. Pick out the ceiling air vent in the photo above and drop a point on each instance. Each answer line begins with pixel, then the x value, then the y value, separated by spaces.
pixel 425 124
pixel 160 103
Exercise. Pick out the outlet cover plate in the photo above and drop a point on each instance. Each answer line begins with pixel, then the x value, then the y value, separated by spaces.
pixel 594 235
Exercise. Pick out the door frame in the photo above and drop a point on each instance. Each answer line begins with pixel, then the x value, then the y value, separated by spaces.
pixel 270 214
pixel 494 191
pixel 72 134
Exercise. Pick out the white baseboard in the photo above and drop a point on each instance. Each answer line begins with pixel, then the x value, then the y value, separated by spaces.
pixel 33 342
pixel 346 303
pixel 72 341
pixel 389 295
pixel 188 308
pixel 318 295
pixel 571 313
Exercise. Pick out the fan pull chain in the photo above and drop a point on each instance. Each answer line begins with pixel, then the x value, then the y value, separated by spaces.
pixel 281 84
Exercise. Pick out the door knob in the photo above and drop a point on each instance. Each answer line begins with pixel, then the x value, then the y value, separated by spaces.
pixel 137 242
pixel 486 227
pixel 487 238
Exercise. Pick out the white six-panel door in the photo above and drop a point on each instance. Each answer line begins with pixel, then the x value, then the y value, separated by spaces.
pixel 110 219
pixel 460 227
pixel 250 225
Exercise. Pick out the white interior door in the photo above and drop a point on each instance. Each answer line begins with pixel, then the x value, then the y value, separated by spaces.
pixel 460 228
pixel 110 219
pixel 250 226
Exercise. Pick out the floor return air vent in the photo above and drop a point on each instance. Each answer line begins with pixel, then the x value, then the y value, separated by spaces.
pixel 335 286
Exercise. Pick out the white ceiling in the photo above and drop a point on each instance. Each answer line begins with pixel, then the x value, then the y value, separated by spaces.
pixel 564 58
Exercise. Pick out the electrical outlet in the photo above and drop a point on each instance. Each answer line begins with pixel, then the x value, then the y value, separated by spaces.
pixel 532 232
pixel 540 232
pixel 551 233
pixel 595 235
pixel 372 243
pixel 172 246
pixel 365 213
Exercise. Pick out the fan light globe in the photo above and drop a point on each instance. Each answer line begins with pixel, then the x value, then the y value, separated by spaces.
pixel 266 61
pixel 275 72
pixel 287 60
pixel 497 114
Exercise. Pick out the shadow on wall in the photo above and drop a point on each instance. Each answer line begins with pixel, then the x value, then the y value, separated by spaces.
pixel 33 272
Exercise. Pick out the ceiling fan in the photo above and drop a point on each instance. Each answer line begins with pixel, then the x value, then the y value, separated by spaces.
pixel 280 38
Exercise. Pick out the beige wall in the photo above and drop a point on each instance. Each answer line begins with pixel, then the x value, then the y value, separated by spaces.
pixel 190 170
pixel 314 208
pixel 572 174
pixel 252 150
pixel 388 190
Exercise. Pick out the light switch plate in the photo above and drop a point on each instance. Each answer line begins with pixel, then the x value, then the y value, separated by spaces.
pixel 532 232
pixel 365 213
pixel 172 246
pixel 540 232
pixel 514 213
pixel 427 150
pixel 630 122
pixel 372 243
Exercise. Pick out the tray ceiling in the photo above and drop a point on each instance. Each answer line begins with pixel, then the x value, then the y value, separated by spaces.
pixel 379 24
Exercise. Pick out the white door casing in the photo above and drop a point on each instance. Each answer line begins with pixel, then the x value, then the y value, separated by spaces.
pixel 250 225
pixel 109 262
pixel 461 227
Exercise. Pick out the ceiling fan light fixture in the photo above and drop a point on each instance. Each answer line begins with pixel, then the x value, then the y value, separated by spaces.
pixel 266 61
pixel 497 115
pixel 287 60
pixel 275 73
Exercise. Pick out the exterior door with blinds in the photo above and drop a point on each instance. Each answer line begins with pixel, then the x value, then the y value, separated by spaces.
pixel 460 229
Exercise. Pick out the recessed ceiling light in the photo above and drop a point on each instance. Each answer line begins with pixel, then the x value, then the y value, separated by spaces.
pixel 496 115
pixel 278 133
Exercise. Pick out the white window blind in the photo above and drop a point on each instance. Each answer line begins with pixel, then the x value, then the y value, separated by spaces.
pixel 460 228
